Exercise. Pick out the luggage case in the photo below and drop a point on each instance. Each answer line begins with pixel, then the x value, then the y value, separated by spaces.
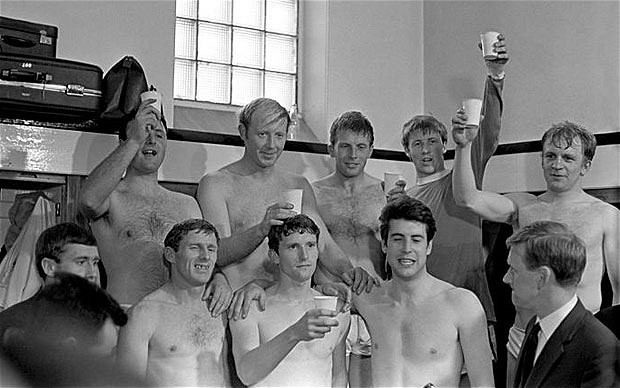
pixel 26 38
pixel 47 89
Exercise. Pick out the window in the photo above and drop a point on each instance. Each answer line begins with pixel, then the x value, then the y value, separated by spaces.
pixel 233 51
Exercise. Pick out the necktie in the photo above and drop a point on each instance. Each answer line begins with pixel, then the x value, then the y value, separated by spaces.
pixel 529 351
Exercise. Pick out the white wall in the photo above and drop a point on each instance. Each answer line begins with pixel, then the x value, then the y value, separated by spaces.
pixel 102 32
pixel 362 55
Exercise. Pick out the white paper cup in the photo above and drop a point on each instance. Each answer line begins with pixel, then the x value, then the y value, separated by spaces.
pixel 472 107
pixel 488 39
pixel 390 179
pixel 152 95
pixel 294 197
pixel 325 302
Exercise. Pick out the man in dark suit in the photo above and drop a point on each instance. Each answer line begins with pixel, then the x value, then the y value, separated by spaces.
pixel 565 346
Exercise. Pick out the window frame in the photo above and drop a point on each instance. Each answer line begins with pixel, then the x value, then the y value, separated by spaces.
pixel 205 104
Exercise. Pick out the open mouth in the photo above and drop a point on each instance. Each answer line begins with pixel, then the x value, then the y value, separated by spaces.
pixel 406 261
pixel 202 267
pixel 149 152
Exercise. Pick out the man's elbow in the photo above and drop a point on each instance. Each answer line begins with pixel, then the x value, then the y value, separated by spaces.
pixel 245 374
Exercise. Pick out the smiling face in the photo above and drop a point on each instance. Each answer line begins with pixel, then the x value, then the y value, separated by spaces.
pixel 406 248
pixel 351 151
pixel 151 155
pixel 297 256
pixel 425 149
pixel 563 166
pixel 78 259
pixel 264 139
pixel 194 260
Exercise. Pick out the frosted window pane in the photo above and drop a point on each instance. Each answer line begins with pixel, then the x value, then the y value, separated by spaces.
pixel 184 79
pixel 248 13
pixel 280 87
pixel 280 54
pixel 187 8
pixel 213 42
pixel 215 10
pixel 247 84
pixel 213 83
pixel 282 16
pixel 185 39
pixel 247 48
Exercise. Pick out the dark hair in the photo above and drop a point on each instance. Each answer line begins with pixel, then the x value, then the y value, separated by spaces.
pixel 424 124
pixel 564 133
pixel 76 307
pixel 406 208
pixel 52 242
pixel 179 231
pixel 552 244
pixel 299 223
pixel 268 107
pixel 353 121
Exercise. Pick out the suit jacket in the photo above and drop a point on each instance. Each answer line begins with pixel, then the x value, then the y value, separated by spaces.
pixel 582 352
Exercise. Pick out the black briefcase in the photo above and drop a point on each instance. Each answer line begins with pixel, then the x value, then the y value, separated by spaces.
pixel 27 38
pixel 47 89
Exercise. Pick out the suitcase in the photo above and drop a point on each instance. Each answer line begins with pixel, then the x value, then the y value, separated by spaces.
pixel 47 89
pixel 26 38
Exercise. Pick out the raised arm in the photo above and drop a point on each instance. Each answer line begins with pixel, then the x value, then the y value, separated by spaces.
pixel 233 248
pixel 485 144
pixel 133 342
pixel 101 182
pixel 474 338
pixel 331 257
pixel 611 250
pixel 255 361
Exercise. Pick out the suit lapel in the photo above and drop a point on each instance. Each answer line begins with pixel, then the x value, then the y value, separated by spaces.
pixel 554 348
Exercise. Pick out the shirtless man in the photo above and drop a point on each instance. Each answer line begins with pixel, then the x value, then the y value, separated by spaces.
pixel 423 329
pixel 349 202
pixel 235 197
pixel 291 343
pixel 568 150
pixel 171 339
pixel 130 212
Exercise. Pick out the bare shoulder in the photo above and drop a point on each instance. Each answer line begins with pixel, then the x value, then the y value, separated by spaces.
pixel 326 181
pixel 464 303
pixel 522 199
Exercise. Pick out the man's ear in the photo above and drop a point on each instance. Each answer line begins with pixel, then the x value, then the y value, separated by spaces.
pixel 330 150
pixel 429 247
pixel 585 167
pixel 70 343
pixel 243 132
pixel 273 256
pixel 49 266
pixel 169 255
pixel 545 275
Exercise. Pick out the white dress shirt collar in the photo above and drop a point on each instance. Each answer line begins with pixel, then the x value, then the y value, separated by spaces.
pixel 550 323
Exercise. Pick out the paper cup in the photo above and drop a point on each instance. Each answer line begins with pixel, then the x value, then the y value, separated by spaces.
pixel 325 302
pixel 294 197
pixel 472 107
pixel 152 95
pixel 488 39
pixel 390 179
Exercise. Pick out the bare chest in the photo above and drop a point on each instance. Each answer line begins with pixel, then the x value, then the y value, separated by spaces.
pixel 141 218
pixel 421 335
pixel 584 219
pixel 183 333
pixel 249 198
pixel 352 215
